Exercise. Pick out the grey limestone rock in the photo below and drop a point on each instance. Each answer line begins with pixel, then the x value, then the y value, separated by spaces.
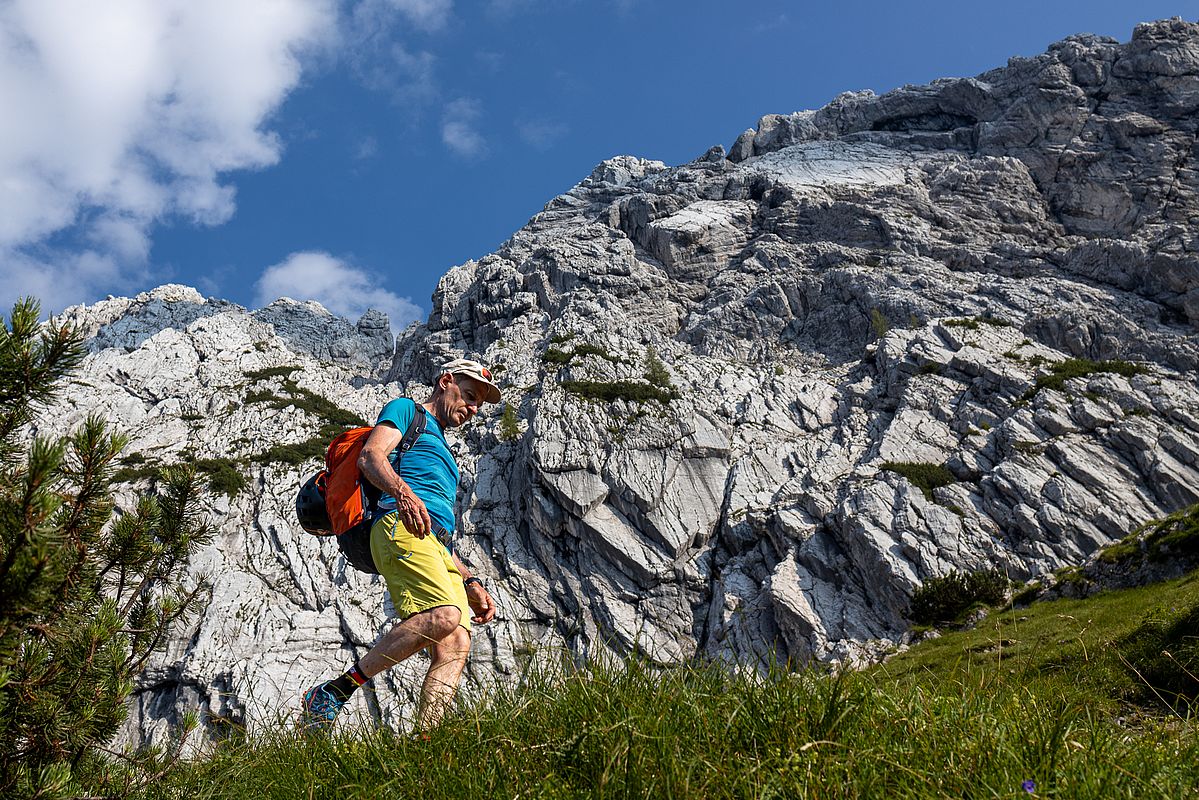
pixel 717 367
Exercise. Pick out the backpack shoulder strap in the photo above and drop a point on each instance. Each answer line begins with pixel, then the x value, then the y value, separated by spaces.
pixel 415 429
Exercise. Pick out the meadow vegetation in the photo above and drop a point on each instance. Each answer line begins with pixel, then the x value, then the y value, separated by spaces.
pixel 1061 699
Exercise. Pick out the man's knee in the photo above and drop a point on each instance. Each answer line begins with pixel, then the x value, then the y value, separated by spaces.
pixel 445 620
pixel 454 647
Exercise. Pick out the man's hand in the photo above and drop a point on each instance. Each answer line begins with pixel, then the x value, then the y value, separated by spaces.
pixel 412 512
pixel 481 603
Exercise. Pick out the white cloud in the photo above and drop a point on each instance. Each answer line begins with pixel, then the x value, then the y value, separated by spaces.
pixel 541 133
pixel 428 14
pixel 374 47
pixel 61 278
pixel 345 290
pixel 458 129
pixel 366 148
pixel 122 113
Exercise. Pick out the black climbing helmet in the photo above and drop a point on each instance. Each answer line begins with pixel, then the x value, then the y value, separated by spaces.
pixel 310 507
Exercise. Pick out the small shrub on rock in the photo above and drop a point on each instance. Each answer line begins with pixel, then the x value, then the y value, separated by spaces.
pixel 223 475
pixel 1063 371
pixel 923 476
pixel 619 390
pixel 284 371
pixel 655 371
pixel 946 599
pixel 509 427
pixel 879 323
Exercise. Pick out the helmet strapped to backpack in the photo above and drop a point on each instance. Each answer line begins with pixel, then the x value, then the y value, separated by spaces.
pixel 310 506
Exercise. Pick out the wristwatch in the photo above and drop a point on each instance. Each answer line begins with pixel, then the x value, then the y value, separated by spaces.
pixel 473 579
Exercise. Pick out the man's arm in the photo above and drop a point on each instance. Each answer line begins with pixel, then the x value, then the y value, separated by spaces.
pixel 375 467
pixel 476 594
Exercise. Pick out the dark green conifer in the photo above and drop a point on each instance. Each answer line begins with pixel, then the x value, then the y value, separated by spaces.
pixel 85 598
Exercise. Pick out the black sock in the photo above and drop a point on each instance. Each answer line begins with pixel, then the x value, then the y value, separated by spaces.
pixel 344 684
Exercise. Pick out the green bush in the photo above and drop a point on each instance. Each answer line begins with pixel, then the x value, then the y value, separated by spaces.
pixel 297 453
pixel 138 472
pixel 223 475
pixel 924 477
pixel 969 324
pixel 598 352
pixel 879 323
pixel 655 371
pixel 619 390
pixel 553 355
pixel 509 427
pixel 314 404
pixel 946 599
pixel 1063 371
pixel 284 371
pixel 266 396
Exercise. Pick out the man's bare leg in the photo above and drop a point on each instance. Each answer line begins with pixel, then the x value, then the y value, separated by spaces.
pixel 415 633
pixel 441 683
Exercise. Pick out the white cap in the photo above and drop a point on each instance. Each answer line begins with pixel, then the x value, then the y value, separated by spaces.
pixel 473 369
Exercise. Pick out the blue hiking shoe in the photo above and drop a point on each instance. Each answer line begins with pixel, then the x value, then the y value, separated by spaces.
pixel 320 710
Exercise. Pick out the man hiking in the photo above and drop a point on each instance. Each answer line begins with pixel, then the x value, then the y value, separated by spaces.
pixel 434 594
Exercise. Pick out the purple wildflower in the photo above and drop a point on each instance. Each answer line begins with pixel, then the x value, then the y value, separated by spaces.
pixel 1029 786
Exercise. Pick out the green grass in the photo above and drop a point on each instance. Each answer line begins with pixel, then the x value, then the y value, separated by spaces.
pixel 1177 534
pixel 1092 651
pixel 1172 537
pixel 1048 694
pixel 924 477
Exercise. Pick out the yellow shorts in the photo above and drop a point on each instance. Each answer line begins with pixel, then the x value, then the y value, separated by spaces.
pixel 419 572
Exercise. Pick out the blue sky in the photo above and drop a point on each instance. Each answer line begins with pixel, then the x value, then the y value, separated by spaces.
pixel 352 151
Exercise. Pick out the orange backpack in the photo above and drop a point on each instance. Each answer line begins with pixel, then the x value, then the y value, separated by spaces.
pixel 338 500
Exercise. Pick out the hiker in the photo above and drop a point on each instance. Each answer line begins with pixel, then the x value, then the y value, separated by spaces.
pixel 435 595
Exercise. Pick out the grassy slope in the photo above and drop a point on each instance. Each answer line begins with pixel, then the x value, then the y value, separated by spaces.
pixel 1039 694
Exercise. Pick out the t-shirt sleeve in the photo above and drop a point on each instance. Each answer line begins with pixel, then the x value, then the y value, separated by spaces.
pixel 398 412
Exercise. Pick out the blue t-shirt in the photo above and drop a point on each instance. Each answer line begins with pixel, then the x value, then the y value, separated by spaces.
pixel 428 468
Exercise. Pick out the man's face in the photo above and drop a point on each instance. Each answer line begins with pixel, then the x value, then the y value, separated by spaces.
pixel 463 397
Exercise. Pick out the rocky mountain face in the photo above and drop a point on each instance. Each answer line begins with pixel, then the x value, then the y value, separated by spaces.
pixel 760 397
